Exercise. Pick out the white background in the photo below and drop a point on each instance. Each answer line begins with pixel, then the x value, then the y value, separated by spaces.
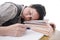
pixel 52 8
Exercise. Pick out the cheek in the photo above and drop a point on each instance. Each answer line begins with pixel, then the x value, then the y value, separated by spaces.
pixel 26 17
pixel 35 17
pixel 25 14
pixel 34 14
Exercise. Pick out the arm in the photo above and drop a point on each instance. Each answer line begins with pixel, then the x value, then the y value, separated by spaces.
pixel 3 31
pixel 13 30
pixel 40 26
pixel 47 30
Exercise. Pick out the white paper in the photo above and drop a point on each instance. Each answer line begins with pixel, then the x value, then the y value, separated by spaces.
pixel 30 35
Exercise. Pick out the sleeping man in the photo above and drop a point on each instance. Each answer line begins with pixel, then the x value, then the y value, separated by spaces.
pixel 12 17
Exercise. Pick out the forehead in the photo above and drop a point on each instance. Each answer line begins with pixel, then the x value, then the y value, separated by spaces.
pixel 29 9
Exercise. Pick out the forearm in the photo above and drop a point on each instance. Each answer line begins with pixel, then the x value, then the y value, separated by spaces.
pixel 45 31
pixel 3 31
pixel 42 29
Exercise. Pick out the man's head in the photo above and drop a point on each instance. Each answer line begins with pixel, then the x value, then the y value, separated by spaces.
pixel 34 12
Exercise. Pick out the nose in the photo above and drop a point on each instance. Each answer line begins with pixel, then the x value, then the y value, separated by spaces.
pixel 28 16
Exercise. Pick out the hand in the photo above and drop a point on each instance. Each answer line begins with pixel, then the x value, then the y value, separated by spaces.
pixel 53 26
pixel 16 30
pixel 45 29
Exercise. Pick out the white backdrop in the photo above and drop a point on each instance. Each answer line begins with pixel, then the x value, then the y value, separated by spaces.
pixel 52 8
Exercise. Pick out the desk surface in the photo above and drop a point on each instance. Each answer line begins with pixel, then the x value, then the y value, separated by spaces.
pixel 29 35
pixel 55 36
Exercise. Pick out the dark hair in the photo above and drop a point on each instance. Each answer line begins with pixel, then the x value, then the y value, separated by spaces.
pixel 40 9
